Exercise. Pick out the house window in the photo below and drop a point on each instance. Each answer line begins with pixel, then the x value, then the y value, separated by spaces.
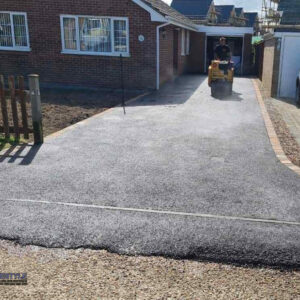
pixel 95 35
pixel 14 31
pixel 183 43
pixel 188 43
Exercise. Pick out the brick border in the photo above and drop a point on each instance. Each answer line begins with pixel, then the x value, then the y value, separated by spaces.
pixel 272 133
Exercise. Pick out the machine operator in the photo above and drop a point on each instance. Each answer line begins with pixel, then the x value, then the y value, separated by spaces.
pixel 222 51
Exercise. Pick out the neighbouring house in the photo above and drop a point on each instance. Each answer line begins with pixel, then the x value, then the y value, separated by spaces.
pixel 200 11
pixel 68 42
pixel 252 20
pixel 239 17
pixel 225 14
pixel 290 12
pixel 281 63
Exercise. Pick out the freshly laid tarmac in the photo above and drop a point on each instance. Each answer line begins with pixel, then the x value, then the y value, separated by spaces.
pixel 181 174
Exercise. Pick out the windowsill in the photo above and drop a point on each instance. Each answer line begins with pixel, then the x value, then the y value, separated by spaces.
pixel 95 53
pixel 15 49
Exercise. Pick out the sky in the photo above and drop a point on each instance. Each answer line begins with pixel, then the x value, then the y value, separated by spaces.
pixel 249 5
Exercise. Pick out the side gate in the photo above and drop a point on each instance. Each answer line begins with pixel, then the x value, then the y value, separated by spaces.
pixel 15 102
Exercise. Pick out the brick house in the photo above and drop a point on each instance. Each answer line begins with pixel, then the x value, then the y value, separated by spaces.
pixel 80 43
pixel 240 19
pixel 200 11
pixel 69 42
pixel 226 14
pixel 252 20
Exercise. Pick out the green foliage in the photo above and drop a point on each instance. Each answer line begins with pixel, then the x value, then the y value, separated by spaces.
pixel 6 143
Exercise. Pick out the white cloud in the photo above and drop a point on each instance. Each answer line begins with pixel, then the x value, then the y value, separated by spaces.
pixel 249 5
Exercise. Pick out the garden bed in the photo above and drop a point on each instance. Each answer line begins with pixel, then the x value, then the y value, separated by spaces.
pixel 62 107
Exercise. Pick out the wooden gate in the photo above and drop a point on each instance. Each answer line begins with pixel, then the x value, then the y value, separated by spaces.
pixel 14 107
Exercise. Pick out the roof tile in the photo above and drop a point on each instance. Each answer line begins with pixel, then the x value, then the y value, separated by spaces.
pixel 164 9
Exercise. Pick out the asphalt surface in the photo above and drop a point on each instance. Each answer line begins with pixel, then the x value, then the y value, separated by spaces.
pixel 177 150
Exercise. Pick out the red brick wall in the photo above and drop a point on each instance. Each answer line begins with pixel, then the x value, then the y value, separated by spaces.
pixel 166 69
pixel 102 71
pixel 170 50
pixel 197 56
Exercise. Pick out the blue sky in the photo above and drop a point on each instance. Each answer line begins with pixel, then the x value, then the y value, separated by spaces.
pixel 249 5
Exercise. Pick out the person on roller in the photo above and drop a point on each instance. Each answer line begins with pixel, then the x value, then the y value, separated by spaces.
pixel 222 51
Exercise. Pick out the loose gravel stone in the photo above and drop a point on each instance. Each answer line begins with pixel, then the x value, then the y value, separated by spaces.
pixel 92 274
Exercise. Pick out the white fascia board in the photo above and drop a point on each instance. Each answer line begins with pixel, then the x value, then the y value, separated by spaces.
pixel 225 30
pixel 286 33
pixel 176 23
pixel 155 16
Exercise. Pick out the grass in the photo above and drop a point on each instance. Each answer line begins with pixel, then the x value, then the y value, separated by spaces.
pixel 6 143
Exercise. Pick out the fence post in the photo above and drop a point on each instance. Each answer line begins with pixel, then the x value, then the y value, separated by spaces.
pixel 35 99
pixel 23 106
pixel 4 108
pixel 14 108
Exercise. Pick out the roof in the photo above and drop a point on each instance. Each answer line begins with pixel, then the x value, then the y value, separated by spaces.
pixel 192 8
pixel 251 18
pixel 238 11
pixel 291 12
pixel 224 12
pixel 165 10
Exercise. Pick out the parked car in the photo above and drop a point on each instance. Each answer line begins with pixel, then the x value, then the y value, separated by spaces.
pixel 298 89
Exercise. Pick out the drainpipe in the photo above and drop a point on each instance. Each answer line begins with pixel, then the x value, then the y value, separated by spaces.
pixel 157 53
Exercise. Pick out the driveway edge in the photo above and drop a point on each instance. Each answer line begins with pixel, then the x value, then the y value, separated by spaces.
pixel 272 133
pixel 60 132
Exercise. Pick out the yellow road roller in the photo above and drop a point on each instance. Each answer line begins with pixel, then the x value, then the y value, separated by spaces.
pixel 220 78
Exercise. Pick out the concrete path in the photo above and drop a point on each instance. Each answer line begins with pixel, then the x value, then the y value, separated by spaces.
pixel 181 174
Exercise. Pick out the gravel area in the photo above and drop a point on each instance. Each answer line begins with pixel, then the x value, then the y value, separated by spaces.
pixel 287 141
pixel 90 274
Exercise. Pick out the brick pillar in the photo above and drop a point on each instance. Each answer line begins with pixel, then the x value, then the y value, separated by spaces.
pixel 247 58
pixel 271 63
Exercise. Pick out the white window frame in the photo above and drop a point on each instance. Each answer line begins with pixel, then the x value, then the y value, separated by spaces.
pixel 14 47
pixel 183 43
pixel 79 52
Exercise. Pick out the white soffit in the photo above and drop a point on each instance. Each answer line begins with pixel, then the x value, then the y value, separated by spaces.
pixel 286 33
pixel 225 30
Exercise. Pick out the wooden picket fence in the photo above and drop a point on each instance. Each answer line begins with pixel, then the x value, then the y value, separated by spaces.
pixel 16 94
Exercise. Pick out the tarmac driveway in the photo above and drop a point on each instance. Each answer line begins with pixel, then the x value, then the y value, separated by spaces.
pixel 181 174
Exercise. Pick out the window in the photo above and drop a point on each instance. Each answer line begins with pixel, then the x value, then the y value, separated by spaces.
pixel 188 43
pixel 183 42
pixel 14 31
pixel 95 35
